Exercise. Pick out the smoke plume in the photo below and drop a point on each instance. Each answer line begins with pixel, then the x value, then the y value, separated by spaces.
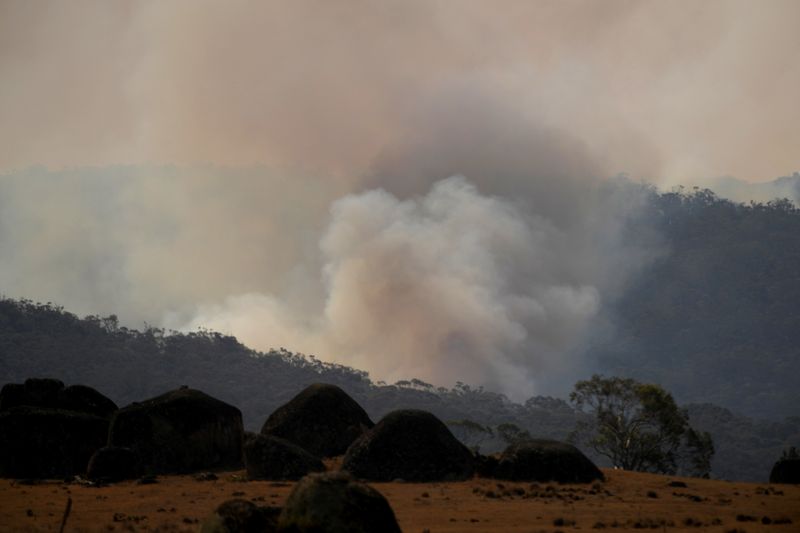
pixel 418 188
pixel 453 285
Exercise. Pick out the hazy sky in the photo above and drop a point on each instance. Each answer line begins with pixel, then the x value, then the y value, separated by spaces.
pixel 414 188
pixel 662 89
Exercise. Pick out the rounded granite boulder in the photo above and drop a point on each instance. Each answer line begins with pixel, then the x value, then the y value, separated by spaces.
pixel 267 457
pixel 179 432
pixel 411 445
pixel 546 460
pixel 113 463
pixel 786 471
pixel 334 503
pixel 46 443
pixel 322 419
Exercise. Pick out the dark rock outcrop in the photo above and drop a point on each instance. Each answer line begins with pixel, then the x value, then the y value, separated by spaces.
pixel 112 463
pixel 786 471
pixel 267 457
pixel 334 503
pixel 50 394
pixel 242 516
pixel 48 443
pixel 411 445
pixel 12 395
pixel 322 419
pixel 546 460
pixel 86 400
pixel 181 431
pixel 485 465
pixel 43 392
pixel 35 392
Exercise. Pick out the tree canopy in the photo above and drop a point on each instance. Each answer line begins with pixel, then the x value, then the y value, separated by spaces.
pixel 638 426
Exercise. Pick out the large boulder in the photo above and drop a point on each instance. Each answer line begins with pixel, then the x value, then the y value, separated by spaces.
pixel 322 419
pixel 334 503
pixel 43 392
pixel 86 400
pixel 51 394
pixel 112 463
pixel 267 457
pixel 546 460
pixel 242 516
pixel 48 443
pixel 181 431
pixel 411 445
pixel 12 395
pixel 786 471
pixel 35 392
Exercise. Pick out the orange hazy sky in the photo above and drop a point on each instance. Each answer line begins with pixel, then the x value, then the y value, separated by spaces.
pixel 658 89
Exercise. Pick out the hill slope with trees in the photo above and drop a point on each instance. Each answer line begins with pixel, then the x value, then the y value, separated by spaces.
pixel 130 365
pixel 716 319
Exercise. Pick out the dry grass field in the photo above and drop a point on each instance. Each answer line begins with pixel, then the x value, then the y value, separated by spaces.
pixel 626 501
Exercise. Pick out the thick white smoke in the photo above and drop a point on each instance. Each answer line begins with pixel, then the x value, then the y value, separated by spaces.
pixel 496 283
pixel 453 285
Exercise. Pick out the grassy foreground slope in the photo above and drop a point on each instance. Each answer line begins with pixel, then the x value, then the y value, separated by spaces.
pixel 626 501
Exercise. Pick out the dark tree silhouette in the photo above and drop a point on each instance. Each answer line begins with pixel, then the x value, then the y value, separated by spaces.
pixel 638 426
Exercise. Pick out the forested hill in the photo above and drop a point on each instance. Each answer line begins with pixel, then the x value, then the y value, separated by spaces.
pixel 128 365
pixel 717 317
pixel 41 340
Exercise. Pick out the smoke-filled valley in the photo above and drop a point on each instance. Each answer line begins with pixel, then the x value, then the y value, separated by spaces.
pixel 519 285
pixel 454 284
pixel 683 289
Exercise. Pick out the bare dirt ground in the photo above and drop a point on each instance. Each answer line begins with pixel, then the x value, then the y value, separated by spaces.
pixel 626 501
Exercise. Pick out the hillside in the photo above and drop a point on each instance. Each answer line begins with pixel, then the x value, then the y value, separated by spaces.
pixel 716 318
pixel 130 365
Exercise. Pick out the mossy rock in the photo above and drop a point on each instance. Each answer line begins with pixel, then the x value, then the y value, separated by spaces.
pixel 179 432
pixel 113 463
pixel 48 443
pixel 411 445
pixel 334 503
pixel 242 516
pixel 12 395
pixel 546 460
pixel 86 400
pixel 786 471
pixel 267 457
pixel 322 419
pixel 35 392
pixel 43 392
pixel 50 394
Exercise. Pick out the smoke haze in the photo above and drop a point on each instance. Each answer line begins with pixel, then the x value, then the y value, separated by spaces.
pixel 671 90
pixel 417 189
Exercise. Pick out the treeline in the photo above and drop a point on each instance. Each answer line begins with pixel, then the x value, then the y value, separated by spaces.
pixel 130 365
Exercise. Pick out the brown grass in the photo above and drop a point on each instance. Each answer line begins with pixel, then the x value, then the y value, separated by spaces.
pixel 180 503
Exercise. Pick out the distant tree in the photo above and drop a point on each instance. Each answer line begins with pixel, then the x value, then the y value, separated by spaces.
pixel 471 433
pixel 638 426
pixel 698 451
pixel 791 453
pixel 512 433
